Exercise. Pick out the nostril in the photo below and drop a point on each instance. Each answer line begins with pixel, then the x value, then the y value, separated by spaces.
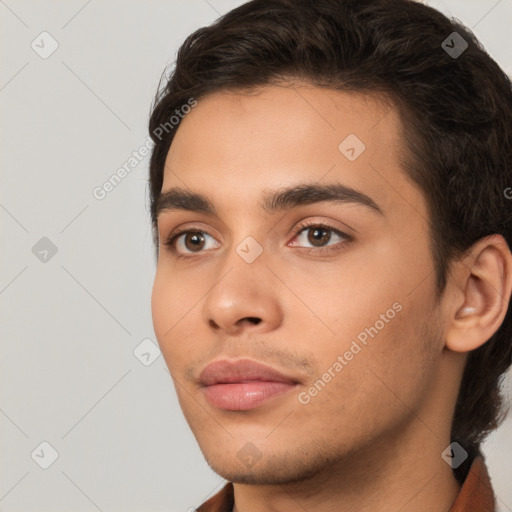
pixel 254 319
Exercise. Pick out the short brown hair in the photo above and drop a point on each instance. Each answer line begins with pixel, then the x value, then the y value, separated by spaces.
pixel 456 112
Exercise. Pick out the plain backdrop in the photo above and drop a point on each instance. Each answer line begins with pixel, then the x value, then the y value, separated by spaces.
pixel 89 418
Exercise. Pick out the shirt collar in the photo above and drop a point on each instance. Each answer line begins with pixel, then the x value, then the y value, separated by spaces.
pixel 476 494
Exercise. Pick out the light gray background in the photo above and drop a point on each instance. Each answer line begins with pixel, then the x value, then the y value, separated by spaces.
pixel 70 325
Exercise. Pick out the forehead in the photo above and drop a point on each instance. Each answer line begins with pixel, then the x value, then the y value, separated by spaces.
pixel 236 144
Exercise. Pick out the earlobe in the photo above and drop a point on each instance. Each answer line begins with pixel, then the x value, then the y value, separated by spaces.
pixel 485 279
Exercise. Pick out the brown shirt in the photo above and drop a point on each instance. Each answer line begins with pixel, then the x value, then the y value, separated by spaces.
pixel 476 494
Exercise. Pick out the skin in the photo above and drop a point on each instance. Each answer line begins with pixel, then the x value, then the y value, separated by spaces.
pixel 372 438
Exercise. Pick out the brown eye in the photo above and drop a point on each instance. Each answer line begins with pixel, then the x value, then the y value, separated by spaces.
pixel 194 240
pixel 318 236
pixel 188 242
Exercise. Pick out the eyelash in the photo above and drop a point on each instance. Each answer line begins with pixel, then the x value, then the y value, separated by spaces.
pixel 170 242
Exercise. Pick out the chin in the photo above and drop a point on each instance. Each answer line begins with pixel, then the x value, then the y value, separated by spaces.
pixel 275 469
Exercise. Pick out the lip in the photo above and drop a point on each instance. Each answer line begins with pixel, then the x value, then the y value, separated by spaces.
pixel 243 370
pixel 243 384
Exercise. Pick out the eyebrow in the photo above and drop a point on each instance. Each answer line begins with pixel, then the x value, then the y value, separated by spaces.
pixel 179 199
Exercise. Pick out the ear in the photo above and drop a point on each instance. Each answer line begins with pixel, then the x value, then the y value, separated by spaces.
pixel 483 284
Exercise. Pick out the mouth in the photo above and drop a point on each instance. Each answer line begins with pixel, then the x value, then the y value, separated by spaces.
pixel 243 385
pixel 242 396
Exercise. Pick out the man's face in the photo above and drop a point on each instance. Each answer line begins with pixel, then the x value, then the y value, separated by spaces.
pixel 351 317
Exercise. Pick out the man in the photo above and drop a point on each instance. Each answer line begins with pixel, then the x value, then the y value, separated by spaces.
pixel 334 274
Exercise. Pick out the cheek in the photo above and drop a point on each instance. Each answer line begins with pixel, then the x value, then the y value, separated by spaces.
pixel 174 298
pixel 398 360
pixel 345 299
pixel 377 382
pixel 161 306
pixel 169 309
pixel 369 317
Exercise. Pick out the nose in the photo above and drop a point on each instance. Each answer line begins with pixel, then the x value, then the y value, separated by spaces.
pixel 245 297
